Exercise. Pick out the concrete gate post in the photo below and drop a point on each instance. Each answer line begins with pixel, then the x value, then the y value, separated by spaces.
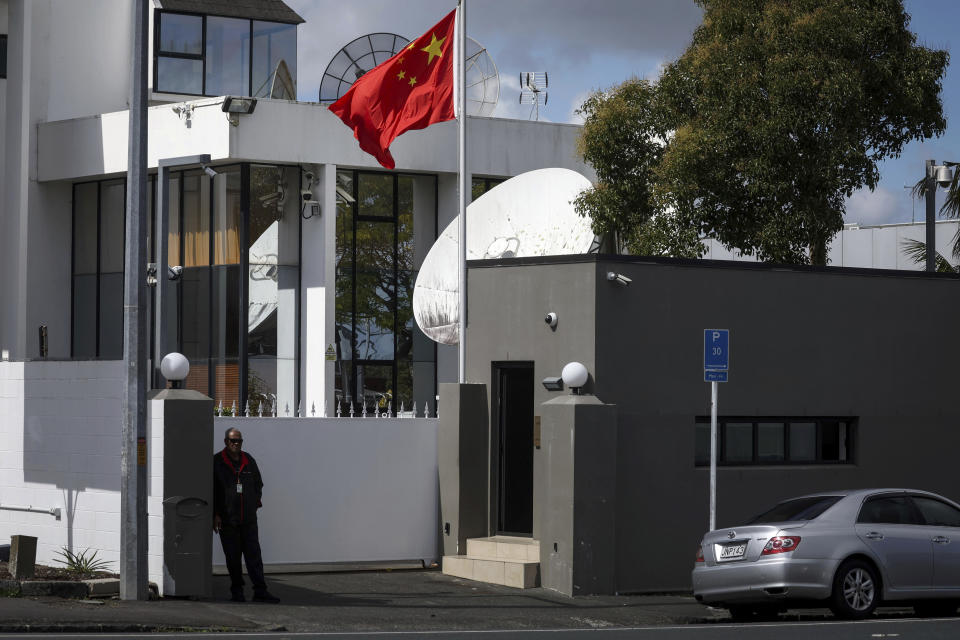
pixel 463 464
pixel 181 422
pixel 574 495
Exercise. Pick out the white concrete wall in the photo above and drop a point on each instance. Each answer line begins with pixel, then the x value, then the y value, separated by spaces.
pixel 336 490
pixel 879 247
pixel 342 489
pixel 60 448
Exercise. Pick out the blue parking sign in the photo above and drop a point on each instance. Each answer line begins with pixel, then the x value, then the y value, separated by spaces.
pixel 716 349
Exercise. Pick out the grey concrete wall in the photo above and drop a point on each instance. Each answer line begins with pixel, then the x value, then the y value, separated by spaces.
pixel 808 342
pixel 574 494
pixel 462 456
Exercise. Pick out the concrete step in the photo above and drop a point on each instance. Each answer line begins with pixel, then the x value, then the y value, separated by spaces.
pixel 509 573
pixel 504 548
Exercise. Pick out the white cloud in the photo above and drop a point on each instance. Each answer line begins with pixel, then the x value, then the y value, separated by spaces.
pixel 881 206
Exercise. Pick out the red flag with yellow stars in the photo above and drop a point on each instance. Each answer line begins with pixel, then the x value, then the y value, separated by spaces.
pixel 411 90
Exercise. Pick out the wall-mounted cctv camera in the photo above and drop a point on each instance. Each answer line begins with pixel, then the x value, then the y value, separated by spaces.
pixel 174 273
pixel 551 319
pixel 619 278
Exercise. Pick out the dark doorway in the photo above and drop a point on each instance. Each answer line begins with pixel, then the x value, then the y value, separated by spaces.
pixel 513 440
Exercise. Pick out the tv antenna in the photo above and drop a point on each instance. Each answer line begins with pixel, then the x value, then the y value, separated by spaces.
pixel 355 59
pixel 533 90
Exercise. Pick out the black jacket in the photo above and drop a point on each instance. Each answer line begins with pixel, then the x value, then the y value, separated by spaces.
pixel 232 507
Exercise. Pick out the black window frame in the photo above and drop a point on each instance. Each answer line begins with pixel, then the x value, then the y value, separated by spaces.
pixel 3 56
pixel 347 399
pixel 755 461
pixel 202 56
pixel 244 267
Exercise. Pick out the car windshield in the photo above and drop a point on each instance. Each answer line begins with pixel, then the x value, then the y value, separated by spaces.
pixel 797 509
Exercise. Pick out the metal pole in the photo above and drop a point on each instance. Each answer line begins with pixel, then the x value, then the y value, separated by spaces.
pixel 133 456
pixel 462 186
pixel 931 217
pixel 713 454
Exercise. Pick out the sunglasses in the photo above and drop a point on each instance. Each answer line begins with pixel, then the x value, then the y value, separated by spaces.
pixel 235 440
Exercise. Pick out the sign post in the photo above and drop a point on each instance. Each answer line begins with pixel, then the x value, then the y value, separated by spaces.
pixel 716 363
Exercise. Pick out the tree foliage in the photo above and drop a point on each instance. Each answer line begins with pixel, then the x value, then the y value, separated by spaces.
pixel 776 113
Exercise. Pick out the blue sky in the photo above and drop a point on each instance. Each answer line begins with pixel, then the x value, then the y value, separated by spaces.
pixel 587 45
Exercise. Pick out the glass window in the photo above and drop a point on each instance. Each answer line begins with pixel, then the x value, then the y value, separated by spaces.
pixel 888 510
pixel 833 440
pixel 738 441
pixel 181 33
pixel 375 195
pixel 797 509
pixel 225 337
pixel 196 219
pixel 936 512
pixel 228 57
pixel 803 441
pixel 112 206
pixel 227 217
pixel 770 441
pixel 273 42
pixel 180 75
pixel 85 228
pixel 217 56
pixel 480 186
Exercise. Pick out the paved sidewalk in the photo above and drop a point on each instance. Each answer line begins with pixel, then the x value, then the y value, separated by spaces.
pixel 419 600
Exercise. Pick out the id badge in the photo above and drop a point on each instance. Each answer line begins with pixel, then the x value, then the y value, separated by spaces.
pixel 239 488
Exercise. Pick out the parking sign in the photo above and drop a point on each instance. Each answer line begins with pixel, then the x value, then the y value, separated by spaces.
pixel 716 349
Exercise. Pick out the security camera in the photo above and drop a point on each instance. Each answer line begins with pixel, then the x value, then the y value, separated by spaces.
pixel 174 273
pixel 619 278
pixel 551 320
pixel 306 195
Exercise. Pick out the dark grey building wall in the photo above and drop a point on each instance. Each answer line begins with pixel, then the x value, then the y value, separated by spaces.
pixel 803 342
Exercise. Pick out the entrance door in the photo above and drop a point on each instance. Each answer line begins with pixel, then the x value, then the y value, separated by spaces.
pixel 513 406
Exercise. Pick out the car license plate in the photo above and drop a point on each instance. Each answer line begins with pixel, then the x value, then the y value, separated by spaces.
pixel 733 551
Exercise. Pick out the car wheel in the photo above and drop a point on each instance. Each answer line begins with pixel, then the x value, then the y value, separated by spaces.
pixel 856 590
pixel 935 608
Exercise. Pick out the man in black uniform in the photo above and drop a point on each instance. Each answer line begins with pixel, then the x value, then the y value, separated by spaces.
pixel 237 493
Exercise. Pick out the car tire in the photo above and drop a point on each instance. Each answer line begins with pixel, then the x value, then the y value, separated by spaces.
pixel 935 608
pixel 856 590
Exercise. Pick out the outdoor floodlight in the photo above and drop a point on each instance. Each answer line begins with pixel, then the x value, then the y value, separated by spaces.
pixel 553 384
pixel 242 106
pixel 574 375
pixel 174 366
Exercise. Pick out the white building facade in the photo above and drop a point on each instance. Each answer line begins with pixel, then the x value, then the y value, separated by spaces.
pixel 272 291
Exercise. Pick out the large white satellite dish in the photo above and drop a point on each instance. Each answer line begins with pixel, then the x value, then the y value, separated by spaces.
pixel 529 215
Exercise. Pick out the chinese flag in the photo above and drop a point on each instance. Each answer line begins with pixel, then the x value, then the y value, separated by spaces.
pixel 411 90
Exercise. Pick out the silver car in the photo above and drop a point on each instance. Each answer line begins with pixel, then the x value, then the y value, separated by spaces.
pixel 850 550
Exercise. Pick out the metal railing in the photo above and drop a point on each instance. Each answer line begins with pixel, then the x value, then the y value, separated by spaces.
pixel 344 409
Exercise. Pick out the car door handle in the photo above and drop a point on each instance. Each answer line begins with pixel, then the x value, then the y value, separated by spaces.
pixel 942 540
pixel 873 535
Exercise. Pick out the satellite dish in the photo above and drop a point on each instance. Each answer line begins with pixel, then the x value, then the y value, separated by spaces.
pixel 529 215
pixel 482 81
pixel 282 86
pixel 355 59
pixel 366 52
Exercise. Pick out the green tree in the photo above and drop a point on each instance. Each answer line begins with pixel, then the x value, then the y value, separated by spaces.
pixel 777 112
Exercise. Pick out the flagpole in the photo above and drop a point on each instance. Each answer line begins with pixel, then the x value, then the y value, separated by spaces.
pixel 462 184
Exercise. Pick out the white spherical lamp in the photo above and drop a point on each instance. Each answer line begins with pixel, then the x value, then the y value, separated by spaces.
pixel 174 366
pixel 574 375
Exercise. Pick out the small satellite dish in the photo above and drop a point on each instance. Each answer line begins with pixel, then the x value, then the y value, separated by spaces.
pixel 528 215
pixel 282 86
pixel 482 80
pixel 355 59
